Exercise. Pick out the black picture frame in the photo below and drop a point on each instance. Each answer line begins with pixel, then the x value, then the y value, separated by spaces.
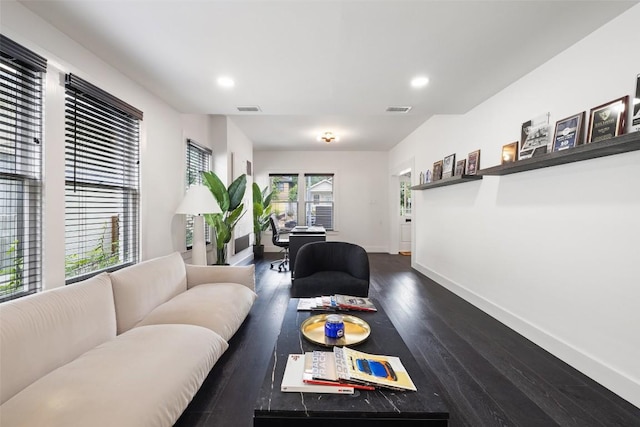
pixel 607 121
pixel 568 132
pixel 635 118
pixel 448 166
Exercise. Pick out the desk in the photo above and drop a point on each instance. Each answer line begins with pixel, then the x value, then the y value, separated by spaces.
pixel 300 236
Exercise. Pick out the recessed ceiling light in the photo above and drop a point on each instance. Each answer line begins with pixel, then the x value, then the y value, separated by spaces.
pixel 226 82
pixel 420 81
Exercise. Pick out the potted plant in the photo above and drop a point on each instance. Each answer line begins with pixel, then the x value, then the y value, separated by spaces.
pixel 261 214
pixel 230 202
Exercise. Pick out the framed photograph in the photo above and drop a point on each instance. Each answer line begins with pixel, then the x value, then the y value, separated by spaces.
pixel 248 168
pixel 437 170
pixel 568 133
pixel 510 153
pixel 460 166
pixel 535 137
pixel 448 166
pixel 607 121
pixel 635 119
pixel 473 162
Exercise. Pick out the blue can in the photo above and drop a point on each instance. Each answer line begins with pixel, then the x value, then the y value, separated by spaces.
pixel 334 326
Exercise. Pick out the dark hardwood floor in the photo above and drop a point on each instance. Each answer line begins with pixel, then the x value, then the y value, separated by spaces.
pixel 488 374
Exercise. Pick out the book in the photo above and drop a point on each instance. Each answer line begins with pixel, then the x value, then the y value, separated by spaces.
pixel 347 302
pixel 372 369
pixel 294 376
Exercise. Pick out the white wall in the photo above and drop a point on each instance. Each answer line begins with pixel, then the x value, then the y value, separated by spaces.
pixel 360 195
pixel 552 252
pixel 162 144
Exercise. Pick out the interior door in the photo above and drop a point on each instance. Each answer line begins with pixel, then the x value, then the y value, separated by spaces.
pixel 405 223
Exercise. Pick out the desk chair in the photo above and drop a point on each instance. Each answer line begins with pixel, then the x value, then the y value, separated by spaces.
pixel 281 240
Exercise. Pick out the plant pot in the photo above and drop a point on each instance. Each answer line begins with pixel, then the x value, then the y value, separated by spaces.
pixel 258 251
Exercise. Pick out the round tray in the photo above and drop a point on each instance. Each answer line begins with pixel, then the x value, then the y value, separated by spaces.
pixel 356 330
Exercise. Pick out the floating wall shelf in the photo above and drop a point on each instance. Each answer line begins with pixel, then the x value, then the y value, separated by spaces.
pixel 447 181
pixel 617 145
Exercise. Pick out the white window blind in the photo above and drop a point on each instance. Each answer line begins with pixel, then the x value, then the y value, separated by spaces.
pixel 198 160
pixel 21 102
pixel 101 180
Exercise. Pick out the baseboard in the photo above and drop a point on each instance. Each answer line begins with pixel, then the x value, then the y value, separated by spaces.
pixel 614 380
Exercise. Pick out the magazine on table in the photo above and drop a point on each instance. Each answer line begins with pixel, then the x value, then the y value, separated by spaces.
pixel 348 366
pixel 297 378
pixel 336 302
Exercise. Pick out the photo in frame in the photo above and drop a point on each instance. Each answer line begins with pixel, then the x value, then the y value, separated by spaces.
pixel 568 133
pixel 635 119
pixel 473 162
pixel 607 121
pixel 437 171
pixel 509 153
pixel 535 137
pixel 460 167
pixel 448 166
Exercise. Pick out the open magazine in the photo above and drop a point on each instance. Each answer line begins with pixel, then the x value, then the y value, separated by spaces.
pixel 336 302
pixel 348 366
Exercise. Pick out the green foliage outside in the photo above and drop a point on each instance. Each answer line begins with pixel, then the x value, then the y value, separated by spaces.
pixel 14 271
pixel 94 260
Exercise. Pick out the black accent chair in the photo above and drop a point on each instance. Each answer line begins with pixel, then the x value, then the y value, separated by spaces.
pixel 328 268
pixel 281 240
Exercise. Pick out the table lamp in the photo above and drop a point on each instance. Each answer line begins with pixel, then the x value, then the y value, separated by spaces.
pixel 198 201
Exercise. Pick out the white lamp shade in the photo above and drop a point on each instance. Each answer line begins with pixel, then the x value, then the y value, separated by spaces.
pixel 198 201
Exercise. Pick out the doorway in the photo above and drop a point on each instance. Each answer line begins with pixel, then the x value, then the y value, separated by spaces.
pixel 405 224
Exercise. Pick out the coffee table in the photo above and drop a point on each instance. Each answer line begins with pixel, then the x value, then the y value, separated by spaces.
pixel 380 407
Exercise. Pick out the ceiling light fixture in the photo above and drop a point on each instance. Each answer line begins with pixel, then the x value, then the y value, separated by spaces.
pixel 226 82
pixel 328 137
pixel 420 81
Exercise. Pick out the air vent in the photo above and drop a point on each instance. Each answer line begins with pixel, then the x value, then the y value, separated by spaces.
pixel 249 108
pixel 398 109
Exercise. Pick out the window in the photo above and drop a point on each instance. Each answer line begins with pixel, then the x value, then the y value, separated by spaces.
pixel 284 203
pixel 21 102
pixel 405 197
pixel 319 200
pixel 101 180
pixel 198 160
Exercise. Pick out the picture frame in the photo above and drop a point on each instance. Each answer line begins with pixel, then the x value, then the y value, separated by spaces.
pixel 448 166
pixel 535 137
pixel 509 153
pixel 460 167
pixel 635 118
pixel 568 132
pixel 607 121
pixel 473 162
pixel 437 170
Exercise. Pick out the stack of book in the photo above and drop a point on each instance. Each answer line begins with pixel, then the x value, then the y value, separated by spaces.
pixel 336 302
pixel 342 371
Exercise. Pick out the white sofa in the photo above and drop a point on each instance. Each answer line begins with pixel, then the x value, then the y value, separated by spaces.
pixel 129 348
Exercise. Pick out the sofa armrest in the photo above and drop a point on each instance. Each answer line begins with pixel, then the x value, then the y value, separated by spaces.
pixel 199 274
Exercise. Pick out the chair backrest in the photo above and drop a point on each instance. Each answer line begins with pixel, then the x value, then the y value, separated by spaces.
pixel 332 256
pixel 275 232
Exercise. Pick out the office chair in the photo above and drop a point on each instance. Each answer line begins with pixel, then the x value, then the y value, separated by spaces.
pixel 328 268
pixel 281 240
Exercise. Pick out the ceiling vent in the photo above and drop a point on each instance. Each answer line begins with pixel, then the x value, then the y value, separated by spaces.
pixel 249 109
pixel 398 109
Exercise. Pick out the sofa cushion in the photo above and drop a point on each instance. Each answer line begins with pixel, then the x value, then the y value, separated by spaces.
pixel 44 331
pixel 221 307
pixel 144 377
pixel 140 288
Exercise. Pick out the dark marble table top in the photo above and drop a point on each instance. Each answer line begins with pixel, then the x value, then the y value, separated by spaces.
pixel 273 407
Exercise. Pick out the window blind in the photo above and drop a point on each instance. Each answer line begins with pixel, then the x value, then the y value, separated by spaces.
pixel 101 180
pixel 21 103
pixel 198 160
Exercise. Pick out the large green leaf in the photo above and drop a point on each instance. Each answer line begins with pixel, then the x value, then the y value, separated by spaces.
pixel 257 195
pixel 234 217
pixel 218 189
pixel 236 192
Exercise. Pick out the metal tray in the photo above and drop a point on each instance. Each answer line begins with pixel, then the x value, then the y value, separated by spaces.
pixel 356 330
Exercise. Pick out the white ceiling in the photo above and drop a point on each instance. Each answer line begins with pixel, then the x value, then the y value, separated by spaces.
pixel 313 66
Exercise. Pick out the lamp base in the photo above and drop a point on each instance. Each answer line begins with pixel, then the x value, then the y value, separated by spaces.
pixel 199 249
